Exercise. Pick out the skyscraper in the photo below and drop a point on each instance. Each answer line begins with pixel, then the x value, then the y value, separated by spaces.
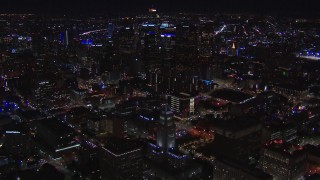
pixel 283 160
pixel 166 161
pixel 166 133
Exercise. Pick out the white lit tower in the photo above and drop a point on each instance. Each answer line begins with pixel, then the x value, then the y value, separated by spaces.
pixel 234 50
pixel 152 9
pixel 166 132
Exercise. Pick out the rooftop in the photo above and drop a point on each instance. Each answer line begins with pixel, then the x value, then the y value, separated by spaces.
pixel 56 126
pixel 232 124
pixel 231 95
pixel 119 147
pixel 287 149
pixel 245 168
pixel 182 95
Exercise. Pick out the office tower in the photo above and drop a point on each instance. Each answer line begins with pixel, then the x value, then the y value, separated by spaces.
pixel 166 133
pixel 43 91
pixel 121 159
pixel 174 164
pixel 227 169
pixel 283 161
pixel 182 104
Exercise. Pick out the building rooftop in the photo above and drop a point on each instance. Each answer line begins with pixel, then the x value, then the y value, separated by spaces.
pixel 29 114
pixel 313 177
pixel 232 124
pixel 313 150
pixel 59 128
pixel 182 95
pixel 293 86
pixel 244 168
pixel 286 149
pixel 231 95
pixel 119 147
pixel 147 115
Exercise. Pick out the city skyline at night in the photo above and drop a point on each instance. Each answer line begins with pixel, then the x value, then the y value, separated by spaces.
pixel 161 89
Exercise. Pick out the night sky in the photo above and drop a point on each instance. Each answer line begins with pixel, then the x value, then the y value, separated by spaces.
pixel 281 7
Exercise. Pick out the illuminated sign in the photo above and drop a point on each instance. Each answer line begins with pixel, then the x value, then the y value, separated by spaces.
pixel 12 132
pixel 146 118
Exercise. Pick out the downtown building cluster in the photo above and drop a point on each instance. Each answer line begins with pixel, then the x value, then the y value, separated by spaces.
pixel 168 96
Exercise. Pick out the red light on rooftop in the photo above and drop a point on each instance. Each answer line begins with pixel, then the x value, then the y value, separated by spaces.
pixel 279 141
pixel 231 75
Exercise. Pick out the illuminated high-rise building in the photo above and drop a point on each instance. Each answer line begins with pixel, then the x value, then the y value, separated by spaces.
pixel 43 91
pixel 110 29
pixel 64 38
pixel 234 51
pixel 166 133
pixel 152 9
pixel 182 104
pixel 165 154
pixel 283 160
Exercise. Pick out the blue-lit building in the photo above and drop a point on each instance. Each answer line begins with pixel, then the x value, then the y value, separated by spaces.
pixel 110 29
